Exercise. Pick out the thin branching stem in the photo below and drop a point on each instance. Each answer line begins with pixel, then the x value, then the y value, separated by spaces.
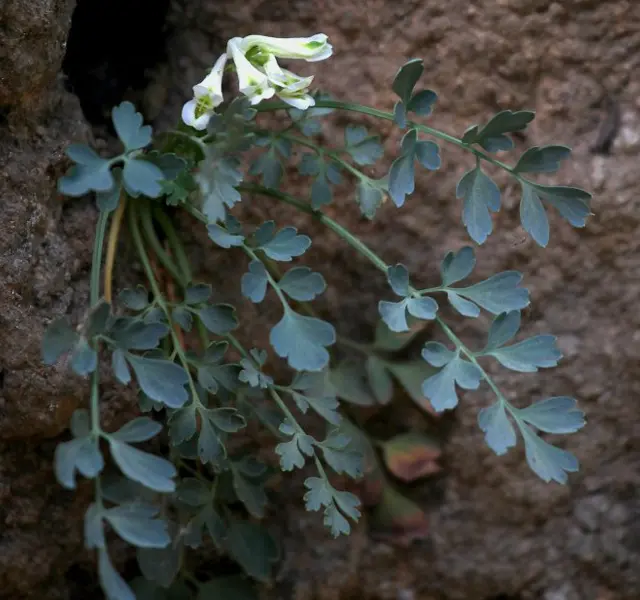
pixel 388 116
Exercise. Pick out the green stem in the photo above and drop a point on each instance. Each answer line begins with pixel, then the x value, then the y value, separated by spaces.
pixel 174 241
pixel 148 269
pixel 152 239
pixel 387 116
pixel 94 296
pixel 348 237
pixel 330 153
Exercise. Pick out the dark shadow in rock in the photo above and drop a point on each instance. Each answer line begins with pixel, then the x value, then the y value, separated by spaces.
pixel 111 47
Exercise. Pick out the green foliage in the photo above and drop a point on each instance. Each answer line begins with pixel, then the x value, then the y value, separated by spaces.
pixel 195 480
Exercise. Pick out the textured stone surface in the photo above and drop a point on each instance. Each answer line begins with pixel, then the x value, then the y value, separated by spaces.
pixel 498 531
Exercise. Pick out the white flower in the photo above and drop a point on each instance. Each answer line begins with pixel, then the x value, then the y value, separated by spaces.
pixel 252 82
pixel 207 96
pixel 311 49
pixel 290 88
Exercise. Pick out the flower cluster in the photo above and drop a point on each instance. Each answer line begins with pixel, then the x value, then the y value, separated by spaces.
pixel 259 75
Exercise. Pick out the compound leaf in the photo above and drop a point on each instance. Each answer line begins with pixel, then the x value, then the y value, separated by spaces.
pixel 498 430
pixel 59 338
pixel 162 380
pixel 128 125
pixel 559 414
pixel 142 177
pixel 302 341
pixel 547 461
pixel 500 293
pixel 140 429
pixel 114 587
pixel 365 149
pixel 254 283
pixel 302 284
pixel 440 388
pixel 406 79
pixel 457 266
pixel 220 236
pixel 153 472
pixel 138 527
pixel 286 244
pixel 481 195
pixel 542 159
pixel 527 356
pixel 219 319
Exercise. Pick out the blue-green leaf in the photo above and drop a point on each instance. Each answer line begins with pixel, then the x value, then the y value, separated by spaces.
pixel 302 284
pixel 437 354
pixel 464 307
pixel 527 356
pixel 220 236
pixel 138 430
pixel 481 195
pixel 217 179
pixel 365 149
pixel 422 102
pixel 142 177
pixel 500 293
pixel 90 173
pixel 559 414
pixel 135 524
pixel 400 114
pixel 498 430
pixel 533 216
pixel 547 461
pixel 182 317
pixel 153 472
pixel 254 283
pixel 379 379
pixel 253 376
pixel 210 447
pixel 440 388
pixel 302 341
pixel 84 358
pixel 492 136
pixel 398 278
pixel 250 493
pixel 406 79
pixel 394 314
pixel 542 159
pixel 161 566
pixel 428 155
pixel 162 380
pixel 253 548
pixel 341 456
pixel 128 126
pixel 197 293
pixel 422 308
pixel 81 454
pixel 503 328
pixel 93 527
pixel 270 167
pixel 108 200
pixel 319 493
pixel 369 198
pixel 59 338
pixel 183 424
pixel 134 299
pixel 286 244
pixel 572 203
pixel 457 266
pixel 401 177
pixel 219 318
pixel 132 334
pixel 114 587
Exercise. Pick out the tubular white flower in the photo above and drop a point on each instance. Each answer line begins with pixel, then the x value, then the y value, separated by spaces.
pixel 294 90
pixel 311 49
pixel 207 96
pixel 252 83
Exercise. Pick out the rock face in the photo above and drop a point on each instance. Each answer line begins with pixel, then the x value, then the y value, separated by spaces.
pixel 497 531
